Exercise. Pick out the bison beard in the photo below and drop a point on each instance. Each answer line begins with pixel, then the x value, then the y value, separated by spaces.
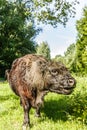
pixel 31 77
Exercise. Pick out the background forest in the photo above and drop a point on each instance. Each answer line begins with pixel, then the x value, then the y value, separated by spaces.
pixel 19 26
pixel 76 55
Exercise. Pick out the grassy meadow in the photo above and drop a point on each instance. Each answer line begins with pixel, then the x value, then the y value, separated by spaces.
pixel 60 112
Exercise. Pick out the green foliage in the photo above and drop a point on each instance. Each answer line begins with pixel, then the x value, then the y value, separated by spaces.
pixel 44 49
pixel 78 106
pixel 84 57
pixel 81 44
pixel 59 111
pixel 76 54
pixel 70 50
pixel 59 58
pixel 78 101
pixel 53 11
pixel 69 56
pixel 17 31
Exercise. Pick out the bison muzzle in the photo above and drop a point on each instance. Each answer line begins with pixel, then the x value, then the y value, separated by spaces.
pixel 31 77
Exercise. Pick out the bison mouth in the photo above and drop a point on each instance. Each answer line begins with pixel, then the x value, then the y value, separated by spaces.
pixel 65 91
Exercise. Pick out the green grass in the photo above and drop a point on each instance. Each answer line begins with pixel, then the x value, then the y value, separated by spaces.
pixel 59 112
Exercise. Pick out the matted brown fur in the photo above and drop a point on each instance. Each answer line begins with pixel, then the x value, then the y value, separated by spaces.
pixel 31 77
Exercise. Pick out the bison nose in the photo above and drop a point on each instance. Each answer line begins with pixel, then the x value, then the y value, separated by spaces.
pixel 71 82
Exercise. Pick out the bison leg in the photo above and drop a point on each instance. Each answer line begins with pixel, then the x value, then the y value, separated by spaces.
pixel 39 101
pixel 37 113
pixel 26 106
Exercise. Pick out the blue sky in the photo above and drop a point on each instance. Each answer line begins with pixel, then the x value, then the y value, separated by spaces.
pixel 60 38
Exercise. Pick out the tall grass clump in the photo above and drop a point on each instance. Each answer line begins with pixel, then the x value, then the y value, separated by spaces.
pixel 77 102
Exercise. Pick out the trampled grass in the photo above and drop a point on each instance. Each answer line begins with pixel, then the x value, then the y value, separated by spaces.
pixel 60 112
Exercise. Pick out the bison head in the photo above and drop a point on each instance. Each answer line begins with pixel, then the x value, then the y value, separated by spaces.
pixel 59 79
pixel 52 76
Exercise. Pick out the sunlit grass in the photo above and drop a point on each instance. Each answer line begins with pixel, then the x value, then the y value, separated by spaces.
pixel 59 112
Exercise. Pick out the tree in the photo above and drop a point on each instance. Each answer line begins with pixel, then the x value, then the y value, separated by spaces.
pixel 43 49
pixel 69 56
pixel 59 58
pixel 76 55
pixel 17 32
pixel 52 11
pixel 81 44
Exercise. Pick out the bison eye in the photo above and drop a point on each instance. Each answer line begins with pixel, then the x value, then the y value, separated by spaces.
pixel 54 72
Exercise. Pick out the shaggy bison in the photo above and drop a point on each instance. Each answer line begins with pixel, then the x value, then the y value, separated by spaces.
pixel 32 77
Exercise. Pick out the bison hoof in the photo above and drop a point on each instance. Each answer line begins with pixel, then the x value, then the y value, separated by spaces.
pixel 37 115
pixel 25 127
